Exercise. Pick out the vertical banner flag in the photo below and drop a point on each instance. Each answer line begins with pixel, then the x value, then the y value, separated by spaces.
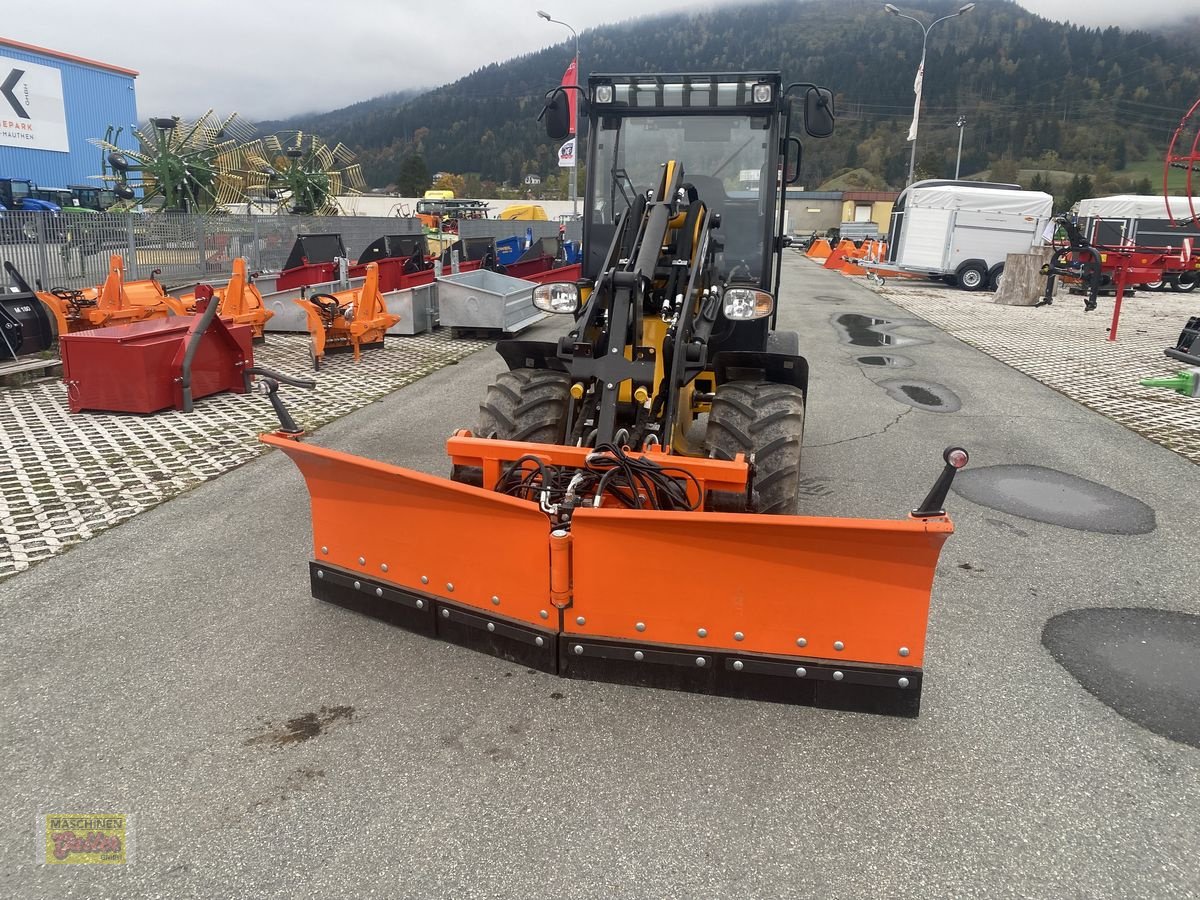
pixel 566 155
pixel 912 129
pixel 570 80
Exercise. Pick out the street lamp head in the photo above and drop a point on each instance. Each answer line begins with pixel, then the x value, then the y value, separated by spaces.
pixel 888 7
pixel 965 9
pixel 542 14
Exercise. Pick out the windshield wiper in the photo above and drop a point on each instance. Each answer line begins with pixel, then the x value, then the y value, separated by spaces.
pixel 617 176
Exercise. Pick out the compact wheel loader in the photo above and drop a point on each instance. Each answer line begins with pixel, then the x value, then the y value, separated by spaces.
pixel 626 507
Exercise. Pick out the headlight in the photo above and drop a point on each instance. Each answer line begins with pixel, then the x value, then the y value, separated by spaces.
pixel 559 297
pixel 747 303
pixel 761 93
pixel 604 93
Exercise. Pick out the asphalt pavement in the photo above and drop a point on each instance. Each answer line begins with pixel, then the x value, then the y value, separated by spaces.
pixel 176 669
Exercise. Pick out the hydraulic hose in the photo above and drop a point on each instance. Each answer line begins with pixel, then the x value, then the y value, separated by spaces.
pixel 197 335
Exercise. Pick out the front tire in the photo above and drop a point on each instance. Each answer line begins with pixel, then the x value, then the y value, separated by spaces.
pixel 528 405
pixel 766 421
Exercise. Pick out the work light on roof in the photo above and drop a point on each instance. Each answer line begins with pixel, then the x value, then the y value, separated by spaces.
pixel 604 93
pixel 762 93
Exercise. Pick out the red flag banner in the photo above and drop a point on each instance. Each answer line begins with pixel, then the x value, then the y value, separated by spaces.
pixel 570 80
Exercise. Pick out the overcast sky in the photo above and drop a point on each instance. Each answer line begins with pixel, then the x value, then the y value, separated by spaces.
pixel 269 58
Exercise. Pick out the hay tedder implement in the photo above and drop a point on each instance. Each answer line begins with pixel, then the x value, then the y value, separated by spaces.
pixel 626 509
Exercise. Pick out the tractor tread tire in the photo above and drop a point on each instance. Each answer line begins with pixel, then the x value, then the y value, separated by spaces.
pixel 764 420
pixel 527 405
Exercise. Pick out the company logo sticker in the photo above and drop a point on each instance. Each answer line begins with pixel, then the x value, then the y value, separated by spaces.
pixel 95 839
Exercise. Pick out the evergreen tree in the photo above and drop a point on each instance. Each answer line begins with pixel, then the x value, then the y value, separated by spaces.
pixel 1080 188
pixel 413 178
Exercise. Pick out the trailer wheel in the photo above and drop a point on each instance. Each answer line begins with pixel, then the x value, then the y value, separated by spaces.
pixel 1185 282
pixel 972 276
pixel 765 420
pixel 995 276
pixel 528 405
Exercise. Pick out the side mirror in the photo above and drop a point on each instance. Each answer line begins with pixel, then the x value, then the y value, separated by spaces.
pixel 818 112
pixel 557 113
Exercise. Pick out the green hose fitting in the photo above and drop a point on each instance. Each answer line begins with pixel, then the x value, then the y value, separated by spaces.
pixel 1186 382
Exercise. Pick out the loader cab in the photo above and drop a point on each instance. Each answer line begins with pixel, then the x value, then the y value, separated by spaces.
pixel 725 130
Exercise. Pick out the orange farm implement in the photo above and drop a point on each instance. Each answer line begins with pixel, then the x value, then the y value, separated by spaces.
pixel 240 301
pixel 352 320
pixel 116 302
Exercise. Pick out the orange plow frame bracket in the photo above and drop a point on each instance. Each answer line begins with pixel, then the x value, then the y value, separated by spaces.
pixel 799 609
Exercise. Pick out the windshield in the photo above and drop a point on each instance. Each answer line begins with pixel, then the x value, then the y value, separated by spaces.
pixel 724 157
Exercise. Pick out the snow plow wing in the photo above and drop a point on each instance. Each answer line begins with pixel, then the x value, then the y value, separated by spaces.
pixel 821 611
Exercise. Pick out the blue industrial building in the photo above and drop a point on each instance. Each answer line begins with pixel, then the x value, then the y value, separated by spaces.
pixel 51 103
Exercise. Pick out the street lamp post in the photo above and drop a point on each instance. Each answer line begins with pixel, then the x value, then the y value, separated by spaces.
pixel 925 29
pixel 962 120
pixel 542 14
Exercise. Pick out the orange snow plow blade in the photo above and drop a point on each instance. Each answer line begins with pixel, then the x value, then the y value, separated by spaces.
pixel 822 611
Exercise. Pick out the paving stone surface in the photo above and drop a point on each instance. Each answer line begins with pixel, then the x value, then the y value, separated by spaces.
pixel 1067 349
pixel 64 477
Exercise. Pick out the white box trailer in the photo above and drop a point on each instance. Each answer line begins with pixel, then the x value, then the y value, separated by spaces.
pixel 1138 220
pixel 962 231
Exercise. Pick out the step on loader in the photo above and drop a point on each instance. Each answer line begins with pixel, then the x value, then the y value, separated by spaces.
pixel 664 428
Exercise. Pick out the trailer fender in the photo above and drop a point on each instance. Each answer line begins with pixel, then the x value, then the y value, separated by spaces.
pixel 777 368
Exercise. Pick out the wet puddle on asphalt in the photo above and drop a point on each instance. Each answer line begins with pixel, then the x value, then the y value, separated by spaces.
pixel 872 331
pixel 926 395
pixel 1047 495
pixel 888 362
pixel 1140 662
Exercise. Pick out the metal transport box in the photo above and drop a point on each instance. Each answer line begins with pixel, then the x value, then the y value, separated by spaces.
pixel 486 299
pixel 416 306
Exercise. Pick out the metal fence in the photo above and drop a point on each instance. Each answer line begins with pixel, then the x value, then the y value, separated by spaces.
pixel 72 250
